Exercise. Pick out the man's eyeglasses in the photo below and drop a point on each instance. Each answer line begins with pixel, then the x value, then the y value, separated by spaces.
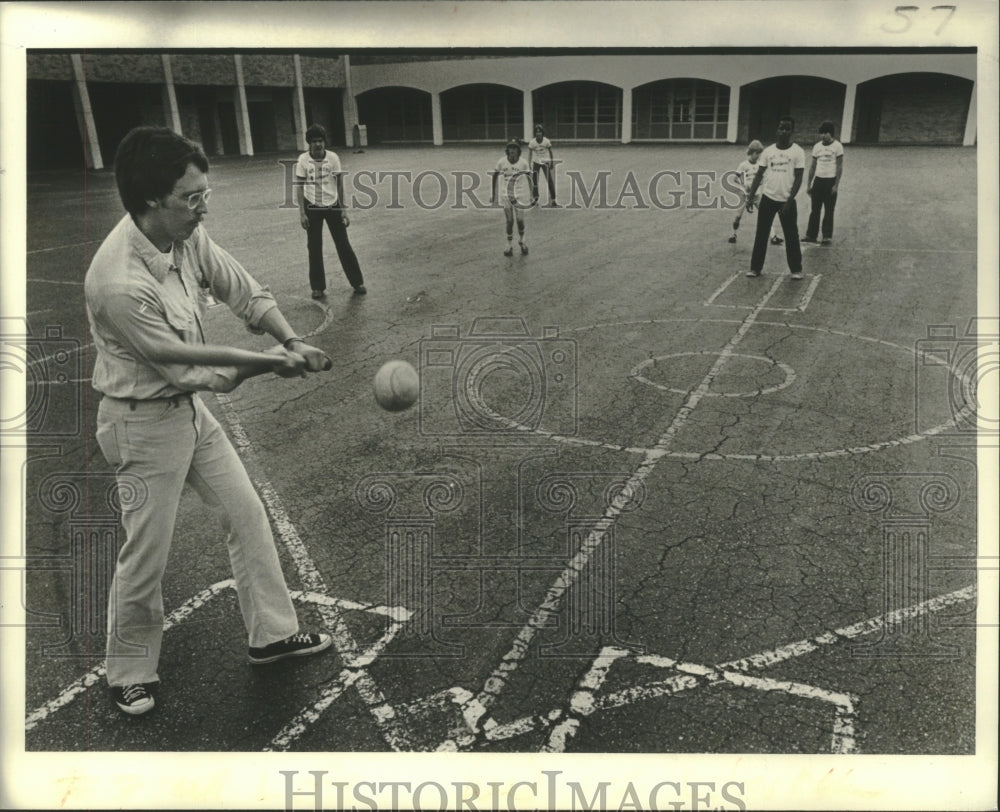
pixel 195 199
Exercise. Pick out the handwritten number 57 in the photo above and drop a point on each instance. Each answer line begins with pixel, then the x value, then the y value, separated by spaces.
pixel 904 21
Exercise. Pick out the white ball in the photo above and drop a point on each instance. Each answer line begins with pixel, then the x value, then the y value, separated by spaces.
pixel 397 386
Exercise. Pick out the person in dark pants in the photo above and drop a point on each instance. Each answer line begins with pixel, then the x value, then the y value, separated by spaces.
pixel 542 158
pixel 779 178
pixel 824 179
pixel 320 192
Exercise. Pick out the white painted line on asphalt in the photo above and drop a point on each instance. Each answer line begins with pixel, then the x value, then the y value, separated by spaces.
pixel 62 247
pixel 91 678
pixel 768 658
pixel 807 296
pixel 721 289
pixel 477 710
pixel 582 702
pixel 353 674
pixel 842 739
pixel 692 675
pixel 310 576
pixel 398 613
pixel 963 415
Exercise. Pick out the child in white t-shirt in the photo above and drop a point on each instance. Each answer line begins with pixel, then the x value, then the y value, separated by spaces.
pixel 825 171
pixel 748 171
pixel 513 176
pixel 542 159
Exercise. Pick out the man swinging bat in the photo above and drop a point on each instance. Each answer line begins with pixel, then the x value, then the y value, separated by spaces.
pixel 146 293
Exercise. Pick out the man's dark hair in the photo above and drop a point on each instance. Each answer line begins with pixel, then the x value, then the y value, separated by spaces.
pixel 827 127
pixel 317 131
pixel 149 161
pixel 789 119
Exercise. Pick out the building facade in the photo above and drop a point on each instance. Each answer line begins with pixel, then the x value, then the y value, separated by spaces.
pixel 81 104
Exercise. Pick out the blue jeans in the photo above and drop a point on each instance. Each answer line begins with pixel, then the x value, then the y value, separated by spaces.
pixel 156 446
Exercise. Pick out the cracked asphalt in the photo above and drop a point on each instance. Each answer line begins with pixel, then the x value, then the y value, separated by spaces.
pixel 690 488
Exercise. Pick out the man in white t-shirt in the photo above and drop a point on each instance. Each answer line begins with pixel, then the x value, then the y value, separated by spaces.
pixel 779 178
pixel 824 179
pixel 511 176
pixel 320 191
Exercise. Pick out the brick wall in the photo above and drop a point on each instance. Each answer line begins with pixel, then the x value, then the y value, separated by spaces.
pixel 924 110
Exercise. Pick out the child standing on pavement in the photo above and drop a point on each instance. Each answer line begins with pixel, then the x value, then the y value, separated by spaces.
pixel 513 174
pixel 748 171
pixel 824 179
pixel 542 159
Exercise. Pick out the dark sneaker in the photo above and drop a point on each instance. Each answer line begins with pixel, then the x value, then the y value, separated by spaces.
pixel 361 290
pixel 753 273
pixel 133 699
pixel 298 645
pixel 524 248
pixel 318 294
pixel 776 240
pixel 826 241
pixel 733 238
pixel 509 252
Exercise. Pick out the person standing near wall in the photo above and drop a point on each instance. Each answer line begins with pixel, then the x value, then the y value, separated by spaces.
pixel 823 182
pixel 320 192
pixel 782 165
pixel 542 158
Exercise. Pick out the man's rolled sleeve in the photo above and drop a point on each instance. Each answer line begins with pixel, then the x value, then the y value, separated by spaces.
pixel 230 282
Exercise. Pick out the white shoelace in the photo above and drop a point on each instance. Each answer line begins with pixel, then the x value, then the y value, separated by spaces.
pixel 130 692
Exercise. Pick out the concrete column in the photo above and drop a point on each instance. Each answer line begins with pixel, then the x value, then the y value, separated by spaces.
pixel 627 115
pixel 969 139
pixel 242 111
pixel 437 128
pixel 847 120
pixel 85 114
pixel 528 115
pixel 733 124
pixel 299 104
pixel 173 111
pixel 350 104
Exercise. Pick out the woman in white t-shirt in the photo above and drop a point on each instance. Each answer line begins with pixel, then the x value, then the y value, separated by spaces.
pixel 540 152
